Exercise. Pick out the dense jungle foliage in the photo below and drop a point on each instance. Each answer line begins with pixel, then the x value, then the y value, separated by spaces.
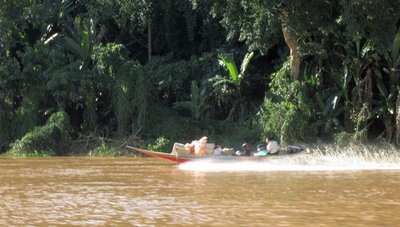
pixel 86 73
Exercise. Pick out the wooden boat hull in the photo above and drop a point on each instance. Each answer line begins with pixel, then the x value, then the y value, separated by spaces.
pixel 167 156
pixel 189 158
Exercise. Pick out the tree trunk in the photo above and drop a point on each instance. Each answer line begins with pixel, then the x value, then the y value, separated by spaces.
pixel 149 40
pixel 293 45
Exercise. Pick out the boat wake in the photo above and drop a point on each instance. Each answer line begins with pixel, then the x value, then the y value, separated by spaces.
pixel 305 162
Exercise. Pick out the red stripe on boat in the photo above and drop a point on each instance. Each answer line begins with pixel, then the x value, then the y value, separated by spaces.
pixel 168 157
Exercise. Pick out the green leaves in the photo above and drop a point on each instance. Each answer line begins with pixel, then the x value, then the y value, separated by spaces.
pixel 235 77
pixel 49 139
pixel 235 80
pixel 227 61
pixel 328 112
pixel 78 40
pixel 395 50
pixel 198 104
pixel 245 63
pixel 385 102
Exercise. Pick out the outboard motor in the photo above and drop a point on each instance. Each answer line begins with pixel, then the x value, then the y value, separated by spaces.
pixel 294 149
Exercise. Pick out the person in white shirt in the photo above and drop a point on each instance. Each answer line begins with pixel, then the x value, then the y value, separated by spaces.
pixel 272 145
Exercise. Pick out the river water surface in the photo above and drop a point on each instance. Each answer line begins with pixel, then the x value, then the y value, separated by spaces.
pixel 150 192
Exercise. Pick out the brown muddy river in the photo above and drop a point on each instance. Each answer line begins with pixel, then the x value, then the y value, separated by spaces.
pixel 151 192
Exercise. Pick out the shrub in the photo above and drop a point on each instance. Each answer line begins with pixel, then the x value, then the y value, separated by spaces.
pixel 161 144
pixel 169 124
pixel 234 133
pixel 346 138
pixel 50 139
pixel 104 151
pixel 286 109
pixel 169 75
pixel 25 117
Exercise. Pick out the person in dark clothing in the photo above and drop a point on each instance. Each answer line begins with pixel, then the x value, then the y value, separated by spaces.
pixel 261 150
pixel 246 150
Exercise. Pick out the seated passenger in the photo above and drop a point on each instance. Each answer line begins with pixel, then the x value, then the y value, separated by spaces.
pixel 246 150
pixel 217 150
pixel 199 147
pixel 261 150
pixel 272 145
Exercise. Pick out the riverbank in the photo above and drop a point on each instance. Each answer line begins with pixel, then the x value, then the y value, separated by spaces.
pixel 92 146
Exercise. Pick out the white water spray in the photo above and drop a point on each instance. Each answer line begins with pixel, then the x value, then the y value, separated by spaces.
pixel 361 158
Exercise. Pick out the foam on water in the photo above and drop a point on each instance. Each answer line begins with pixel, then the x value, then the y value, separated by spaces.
pixel 305 162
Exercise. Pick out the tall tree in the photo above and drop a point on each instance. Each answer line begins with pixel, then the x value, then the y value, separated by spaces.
pixel 141 14
pixel 262 24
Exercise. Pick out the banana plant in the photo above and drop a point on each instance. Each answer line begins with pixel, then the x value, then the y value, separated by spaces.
pixel 235 77
pixel 198 103
pixel 385 106
pixel 392 60
pixel 234 81
pixel 357 71
pixel 328 113
pixel 342 81
pixel 78 39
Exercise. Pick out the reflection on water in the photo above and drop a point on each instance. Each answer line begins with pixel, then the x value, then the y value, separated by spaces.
pixel 151 192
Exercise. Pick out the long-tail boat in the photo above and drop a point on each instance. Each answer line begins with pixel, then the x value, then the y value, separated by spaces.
pixel 182 157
